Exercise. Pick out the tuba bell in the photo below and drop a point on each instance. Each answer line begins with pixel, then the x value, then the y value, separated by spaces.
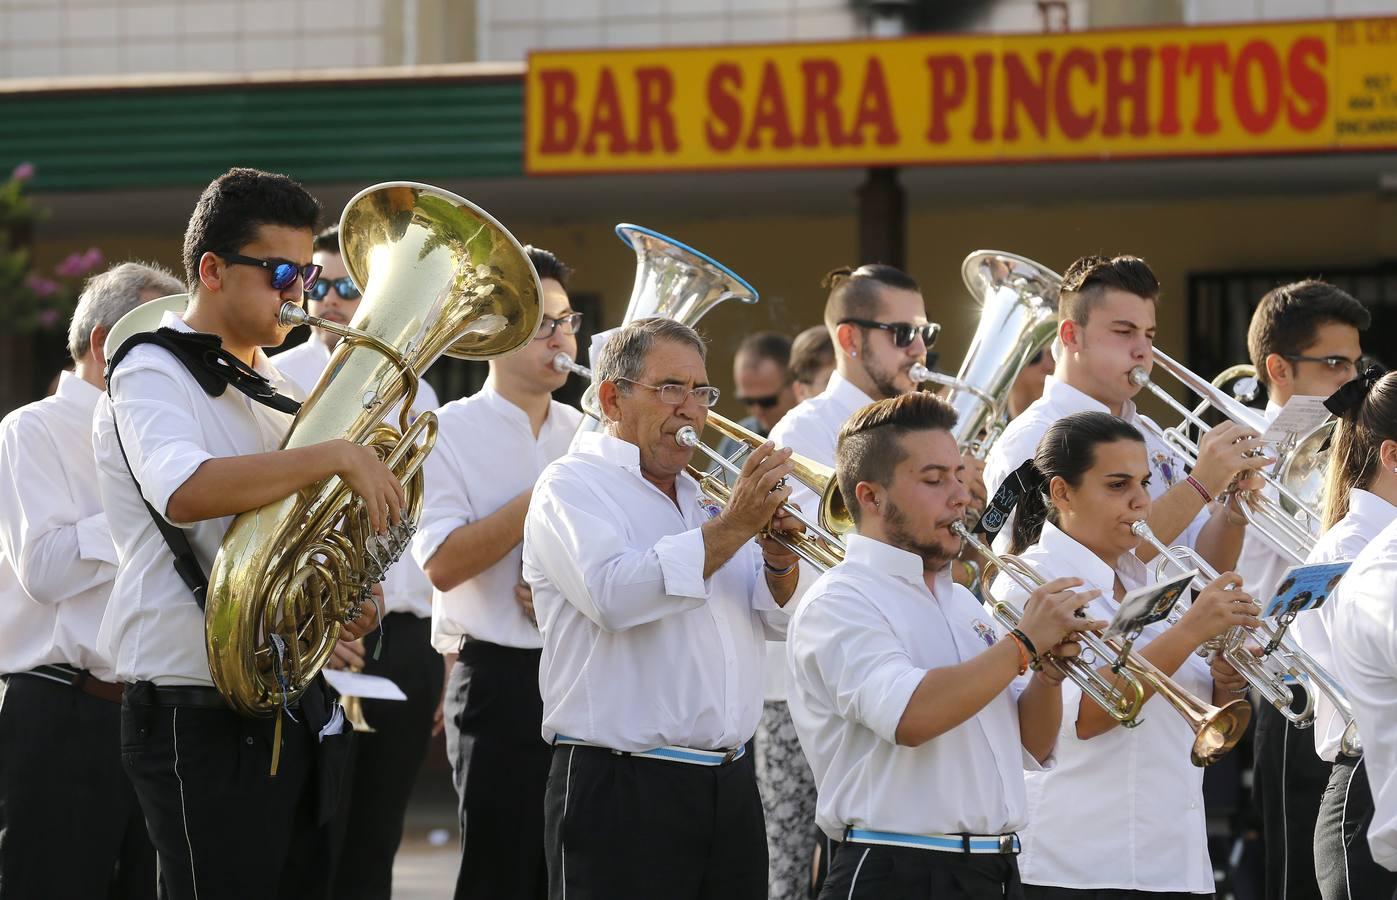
pixel 1018 318
pixel 439 275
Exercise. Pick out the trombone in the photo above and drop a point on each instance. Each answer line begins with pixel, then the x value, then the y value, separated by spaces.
pixel 821 545
pixel 1216 729
pixel 1258 670
pixel 1293 535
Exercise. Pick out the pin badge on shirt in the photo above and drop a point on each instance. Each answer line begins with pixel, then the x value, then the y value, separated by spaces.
pixel 1163 463
pixel 709 506
pixel 984 631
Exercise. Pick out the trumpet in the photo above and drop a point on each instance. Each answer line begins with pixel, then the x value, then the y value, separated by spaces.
pixel 1279 657
pixel 1287 520
pixel 821 545
pixel 1216 729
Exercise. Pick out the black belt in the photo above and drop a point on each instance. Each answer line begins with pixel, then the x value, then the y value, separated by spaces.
pixel 145 694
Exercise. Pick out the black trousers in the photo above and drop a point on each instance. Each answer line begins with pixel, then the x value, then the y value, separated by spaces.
pixel 1343 861
pixel 69 822
pixel 500 765
pixel 1287 781
pixel 384 763
pixel 619 827
pixel 1039 892
pixel 876 872
pixel 222 825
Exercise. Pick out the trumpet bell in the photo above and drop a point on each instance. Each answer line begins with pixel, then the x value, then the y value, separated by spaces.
pixel 1218 732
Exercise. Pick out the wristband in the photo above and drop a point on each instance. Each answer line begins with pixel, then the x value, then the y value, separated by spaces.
pixel 1034 662
pixel 1202 491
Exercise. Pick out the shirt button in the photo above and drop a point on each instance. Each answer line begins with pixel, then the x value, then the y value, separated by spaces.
pixel 249 741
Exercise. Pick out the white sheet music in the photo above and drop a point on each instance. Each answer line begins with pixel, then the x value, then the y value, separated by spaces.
pixel 357 684
pixel 1299 416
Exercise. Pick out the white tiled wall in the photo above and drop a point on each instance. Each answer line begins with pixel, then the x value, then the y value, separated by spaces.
pixel 111 37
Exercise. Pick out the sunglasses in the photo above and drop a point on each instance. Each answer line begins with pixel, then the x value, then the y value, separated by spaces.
pixel 762 402
pixel 569 325
pixel 903 333
pixel 345 287
pixel 283 271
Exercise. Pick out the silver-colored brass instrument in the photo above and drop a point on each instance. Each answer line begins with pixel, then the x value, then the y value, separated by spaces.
pixel 1216 729
pixel 439 275
pixel 1286 514
pixel 143 318
pixel 1018 318
pixel 1280 657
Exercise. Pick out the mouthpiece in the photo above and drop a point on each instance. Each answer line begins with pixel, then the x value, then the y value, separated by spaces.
pixel 1139 377
pixel 291 314
pixel 564 363
pixel 1140 528
pixel 919 374
pixel 686 437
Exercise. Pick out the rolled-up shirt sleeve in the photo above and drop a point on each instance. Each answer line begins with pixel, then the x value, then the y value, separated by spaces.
pixel 447 505
pixel 845 647
pixel 57 553
pixel 161 439
pixel 571 538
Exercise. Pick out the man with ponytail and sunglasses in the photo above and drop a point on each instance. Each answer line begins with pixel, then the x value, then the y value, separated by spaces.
pixel 1360 501
pixel 186 438
pixel 1303 340
pixel 384 762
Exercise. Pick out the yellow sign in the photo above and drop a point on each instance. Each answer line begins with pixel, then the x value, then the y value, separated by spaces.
pixel 1246 89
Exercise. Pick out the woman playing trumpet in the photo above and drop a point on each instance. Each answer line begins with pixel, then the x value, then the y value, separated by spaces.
pixel 1121 813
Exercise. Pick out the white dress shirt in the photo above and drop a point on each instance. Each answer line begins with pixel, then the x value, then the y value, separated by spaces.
pixel 406 588
pixel 1019 442
pixel 1123 810
pixel 639 649
pixel 57 560
pixel 1260 564
pixel 811 429
pixel 1368 514
pixel 486 455
pixel 1365 653
pixel 153 630
pixel 860 643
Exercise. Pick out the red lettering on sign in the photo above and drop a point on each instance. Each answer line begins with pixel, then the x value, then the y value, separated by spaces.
pixel 1208 60
pixel 983 131
pixel 560 124
pixel 655 84
pixel 1257 117
pixel 724 123
pixel 1309 99
pixel 608 121
pixel 875 108
pixel 1121 90
pixel 1169 82
pixel 1074 125
pixel 947 93
pixel 770 114
pixel 821 111
pixel 1024 91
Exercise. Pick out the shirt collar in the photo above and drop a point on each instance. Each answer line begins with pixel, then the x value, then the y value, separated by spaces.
pixel 1096 572
pixel 1066 400
pixel 1367 505
pixel 261 364
pixel 625 455
pixel 72 389
pixel 844 395
pixel 1272 410
pixel 882 557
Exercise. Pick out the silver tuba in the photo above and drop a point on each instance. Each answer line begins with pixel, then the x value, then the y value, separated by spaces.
pixel 1018 318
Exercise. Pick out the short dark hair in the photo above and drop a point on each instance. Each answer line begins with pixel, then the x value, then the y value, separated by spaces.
pixel 1287 317
pixel 1067 450
pixel 1086 281
pixel 548 265
pixel 854 293
pixel 870 443
pixel 235 205
pixel 770 345
pixel 328 241
pixel 811 351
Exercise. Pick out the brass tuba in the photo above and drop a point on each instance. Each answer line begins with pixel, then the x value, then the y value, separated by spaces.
pixel 439 275
pixel 1018 318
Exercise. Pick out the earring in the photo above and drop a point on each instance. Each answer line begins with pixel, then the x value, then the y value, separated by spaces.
pixel 853 353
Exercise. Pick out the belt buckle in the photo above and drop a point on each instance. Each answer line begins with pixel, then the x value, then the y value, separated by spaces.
pixel 731 754
pixel 1006 844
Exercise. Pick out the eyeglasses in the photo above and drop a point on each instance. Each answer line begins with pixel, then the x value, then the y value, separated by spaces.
pixel 345 287
pixel 763 402
pixel 283 271
pixel 568 323
pixel 903 332
pixel 1330 363
pixel 676 394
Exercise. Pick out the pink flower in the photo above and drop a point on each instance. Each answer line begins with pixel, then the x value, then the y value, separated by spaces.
pixel 23 172
pixel 48 318
pixel 41 286
pixel 70 267
pixel 91 259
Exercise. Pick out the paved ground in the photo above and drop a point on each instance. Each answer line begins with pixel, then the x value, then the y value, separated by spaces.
pixel 425 868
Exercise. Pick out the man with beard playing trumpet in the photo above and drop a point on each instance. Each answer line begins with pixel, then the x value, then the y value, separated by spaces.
pixel 913 717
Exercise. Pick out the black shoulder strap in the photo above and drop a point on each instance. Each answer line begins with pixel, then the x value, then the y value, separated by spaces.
pixel 214 369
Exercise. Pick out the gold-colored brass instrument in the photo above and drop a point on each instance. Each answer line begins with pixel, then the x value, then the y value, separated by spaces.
pixel 1018 318
pixel 1216 729
pixel 822 544
pixel 1282 516
pixel 439 275
pixel 1280 657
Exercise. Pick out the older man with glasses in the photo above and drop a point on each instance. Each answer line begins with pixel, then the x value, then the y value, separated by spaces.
pixel 654 604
